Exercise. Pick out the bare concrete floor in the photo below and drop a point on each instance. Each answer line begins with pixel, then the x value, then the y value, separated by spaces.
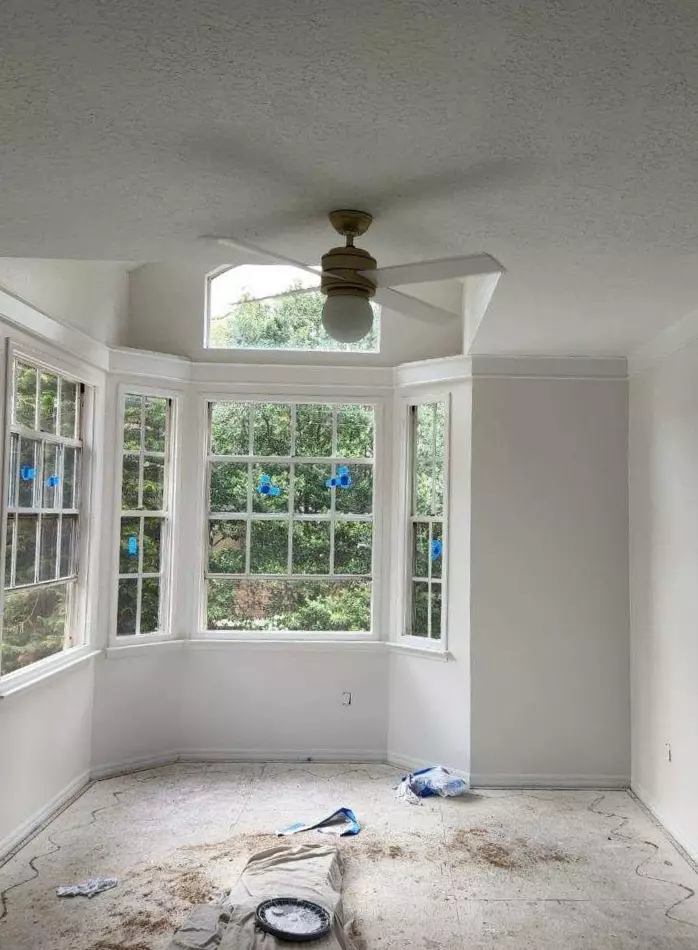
pixel 570 870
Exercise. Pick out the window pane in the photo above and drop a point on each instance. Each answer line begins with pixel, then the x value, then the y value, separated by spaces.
pixel 69 395
pixel 230 428
pixel 71 476
pixel 272 429
pixel 315 606
pixel 420 550
pixel 25 396
pixel 127 607
pixel 152 542
pixel 429 458
pixel 420 609
pixel 69 546
pixel 228 490
pixel 155 423
pixel 436 611
pixel 226 554
pixel 150 605
pixel 313 430
pixel 357 497
pixel 353 547
pixel 48 559
pixel 26 549
pixel 130 546
pixel 29 473
pixel 311 547
pixel 269 547
pixel 9 528
pixel 34 624
pixel 51 486
pixel 132 424
pixel 153 483
pixel 270 488
pixel 311 495
pixel 48 402
pixel 436 548
pixel 129 483
pixel 355 432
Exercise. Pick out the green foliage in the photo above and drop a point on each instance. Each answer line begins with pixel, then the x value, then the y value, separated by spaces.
pixel 33 626
pixel 291 322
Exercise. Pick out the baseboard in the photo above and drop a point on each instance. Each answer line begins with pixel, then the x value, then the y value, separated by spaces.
pixel 274 755
pixel 112 769
pixel 17 838
pixel 690 848
pixel 539 780
pixel 410 764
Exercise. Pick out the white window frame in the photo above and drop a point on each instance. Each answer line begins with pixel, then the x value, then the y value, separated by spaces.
pixel 78 625
pixel 294 396
pixel 407 520
pixel 168 516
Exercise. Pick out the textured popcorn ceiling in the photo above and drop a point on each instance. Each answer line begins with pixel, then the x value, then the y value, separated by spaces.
pixel 559 136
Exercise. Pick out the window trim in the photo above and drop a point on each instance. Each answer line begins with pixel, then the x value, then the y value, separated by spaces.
pixel 85 597
pixel 168 514
pixel 296 395
pixel 404 556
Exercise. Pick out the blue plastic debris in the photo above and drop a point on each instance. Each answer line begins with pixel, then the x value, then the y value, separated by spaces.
pixel 436 549
pixel 132 546
pixel 27 473
pixel 265 487
pixel 342 822
pixel 53 480
pixel 434 780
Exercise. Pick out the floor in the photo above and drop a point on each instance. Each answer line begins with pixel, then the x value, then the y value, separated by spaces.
pixel 499 868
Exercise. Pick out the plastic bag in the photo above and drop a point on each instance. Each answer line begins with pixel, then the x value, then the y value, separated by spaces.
pixel 434 780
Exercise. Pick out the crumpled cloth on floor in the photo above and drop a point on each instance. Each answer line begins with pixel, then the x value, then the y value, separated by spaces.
pixel 311 871
pixel 89 888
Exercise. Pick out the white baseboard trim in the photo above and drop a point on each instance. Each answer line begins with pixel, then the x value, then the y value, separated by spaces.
pixel 17 838
pixel 538 780
pixel 668 824
pixel 410 764
pixel 274 755
pixel 122 767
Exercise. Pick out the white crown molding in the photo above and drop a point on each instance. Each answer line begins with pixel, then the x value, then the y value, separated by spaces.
pixel 128 361
pixel 670 340
pixel 17 313
pixel 428 372
pixel 549 367
pixel 292 376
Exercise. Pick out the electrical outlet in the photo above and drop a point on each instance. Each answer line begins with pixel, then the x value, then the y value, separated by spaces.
pixel 667 746
pixel 346 699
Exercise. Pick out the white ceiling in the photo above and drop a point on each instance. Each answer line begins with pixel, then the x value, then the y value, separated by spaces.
pixel 559 136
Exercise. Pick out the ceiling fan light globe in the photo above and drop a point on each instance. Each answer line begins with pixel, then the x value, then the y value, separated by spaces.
pixel 347 318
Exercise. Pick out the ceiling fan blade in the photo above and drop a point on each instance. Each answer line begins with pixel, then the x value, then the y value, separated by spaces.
pixel 447 268
pixel 412 307
pixel 271 256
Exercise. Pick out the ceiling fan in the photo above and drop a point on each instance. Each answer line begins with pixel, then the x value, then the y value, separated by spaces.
pixel 350 278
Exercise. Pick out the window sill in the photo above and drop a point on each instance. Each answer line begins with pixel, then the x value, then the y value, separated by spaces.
pixel 141 646
pixel 23 680
pixel 429 653
pixel 227 643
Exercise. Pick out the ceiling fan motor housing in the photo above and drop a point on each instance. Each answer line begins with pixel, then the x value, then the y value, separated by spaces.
pixel 341 272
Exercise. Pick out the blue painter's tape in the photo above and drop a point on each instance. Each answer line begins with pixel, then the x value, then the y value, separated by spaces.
pixel 436 549
pixel 53 480
pixel 27 473
pixel 132 546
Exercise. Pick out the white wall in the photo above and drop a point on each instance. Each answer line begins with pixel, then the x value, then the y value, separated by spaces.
pixel 549 636
pixel 429 711
pixel 89 295
pixel 166 314
pixel 45 739
pixel 664 590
